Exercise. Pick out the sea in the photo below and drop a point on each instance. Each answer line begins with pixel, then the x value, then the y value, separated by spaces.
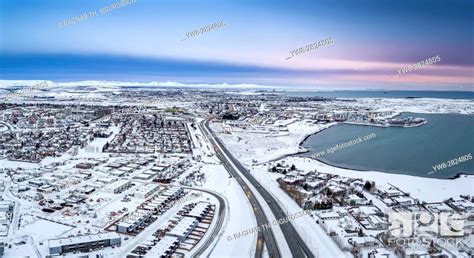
pixel 383 94
pixel 411 151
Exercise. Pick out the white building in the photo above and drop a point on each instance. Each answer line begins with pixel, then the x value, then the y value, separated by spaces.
pixel 6 205
pixel 355 200
pixel 200 210
pixel 173 192
pixel 147 191
pixel 164 248
pixel 184 227
pixel 118 186
pixel 135 221
pixel 144 176
pixel 83 243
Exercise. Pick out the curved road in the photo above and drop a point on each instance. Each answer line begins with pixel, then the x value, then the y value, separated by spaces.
pixel 209 240
pixel 297 246
pixel 264 236
pixel 217 228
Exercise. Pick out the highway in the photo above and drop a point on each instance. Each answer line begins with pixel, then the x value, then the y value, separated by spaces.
pixel 296 244
pixel 264 237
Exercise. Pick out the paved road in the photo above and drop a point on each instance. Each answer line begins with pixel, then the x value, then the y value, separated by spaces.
pixel 16 210
pixel 265 236
pixel 217 228
pixel 297 246
pixel 7 125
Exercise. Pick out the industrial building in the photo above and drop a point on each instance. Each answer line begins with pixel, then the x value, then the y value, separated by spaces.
pixel 147 190
pixel 200 210
pixel 135 221
pixel 83 243
pixel 118 186
pixel 164 248
pixel 173 192
pixel 184 227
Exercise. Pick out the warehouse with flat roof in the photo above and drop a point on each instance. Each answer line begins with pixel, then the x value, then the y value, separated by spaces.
pixel 164 248
pixel 84 243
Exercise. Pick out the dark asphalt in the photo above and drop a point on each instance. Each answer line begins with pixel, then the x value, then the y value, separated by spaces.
pixel 266 235
pixel 297 246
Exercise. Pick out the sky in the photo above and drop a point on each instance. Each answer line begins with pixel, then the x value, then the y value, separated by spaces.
pixel 143 42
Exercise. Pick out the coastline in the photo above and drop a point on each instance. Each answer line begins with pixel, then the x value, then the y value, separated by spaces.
pixel 258 157
pixel 289 148
pixel 336 166
pixel 298 147
pixel 385 125
pixel 300 144
pixel 305 150
pixel 418 187
pixel 457 176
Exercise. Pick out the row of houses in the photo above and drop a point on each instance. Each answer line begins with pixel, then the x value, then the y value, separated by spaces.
pixel 145 212
pixel 150 134
pixel 46 132
pixel 356 213
pixel 179 229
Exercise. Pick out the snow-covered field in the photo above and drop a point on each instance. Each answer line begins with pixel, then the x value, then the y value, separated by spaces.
pixel 247 147
pixel 239 214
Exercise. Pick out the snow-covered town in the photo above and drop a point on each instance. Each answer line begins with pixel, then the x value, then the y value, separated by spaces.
pixel 236 129
pixel 180 173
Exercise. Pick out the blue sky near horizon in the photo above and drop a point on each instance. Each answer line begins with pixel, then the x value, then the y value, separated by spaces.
pixel 142 42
